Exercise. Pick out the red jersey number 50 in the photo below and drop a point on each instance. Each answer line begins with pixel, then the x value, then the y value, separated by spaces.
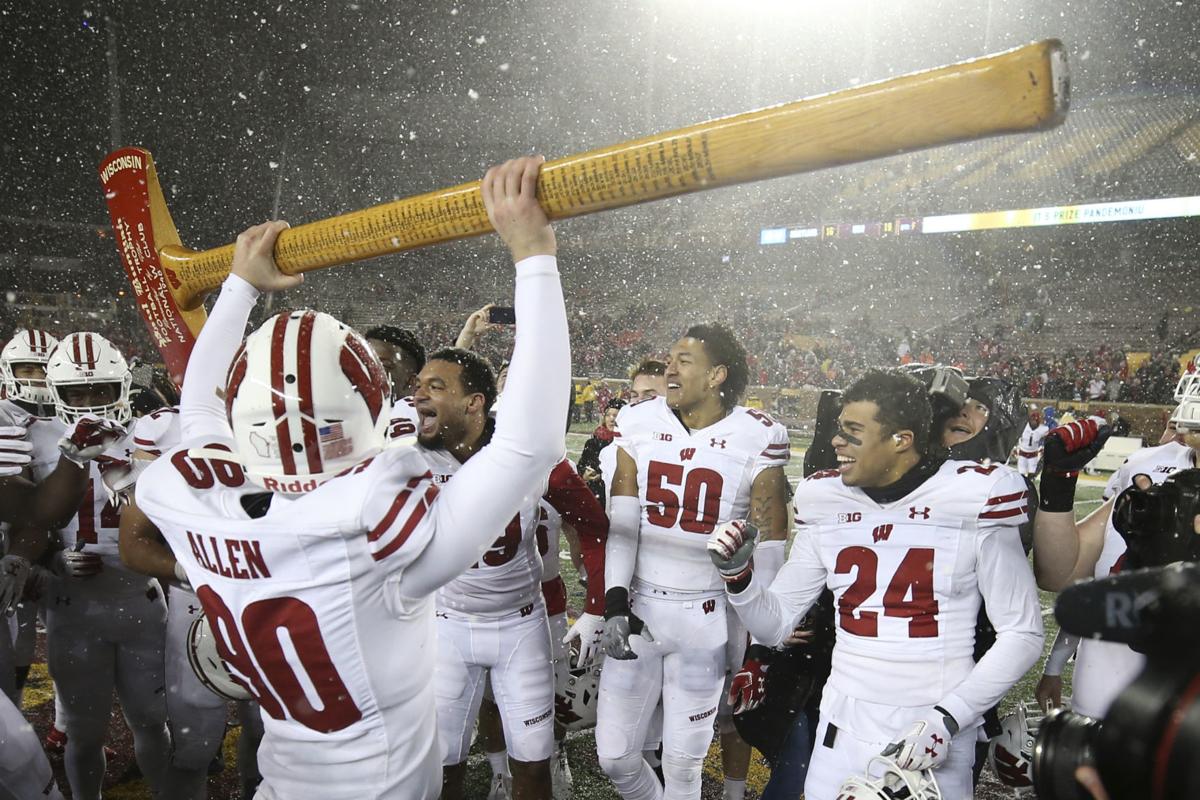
pixel 697 510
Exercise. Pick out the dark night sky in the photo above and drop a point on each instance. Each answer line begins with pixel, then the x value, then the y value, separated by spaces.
pixel 340 105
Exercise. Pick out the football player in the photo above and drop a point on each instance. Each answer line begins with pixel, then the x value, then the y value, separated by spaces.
pixel 313 550
pixel 1065 551
pixel 910 545
pixel 105 624
pixel 1029 448
pixel 492 621
pixel 648 381
pixel 24 770
pixel 401 354
pixel 196 716
pixel 686 463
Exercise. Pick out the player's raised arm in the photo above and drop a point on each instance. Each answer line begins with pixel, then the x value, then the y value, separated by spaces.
pixel 510 472
pixel 201 407
pixel 1064 551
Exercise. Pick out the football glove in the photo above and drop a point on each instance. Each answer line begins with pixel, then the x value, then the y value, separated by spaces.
pixel 927 743
pixel 75 563
pixel 14 450
pixel 748 688
pixel 1068 448
pixel 588 629
pixel 90 437
pixel 620 623
pixel 14 572
pixel 731 548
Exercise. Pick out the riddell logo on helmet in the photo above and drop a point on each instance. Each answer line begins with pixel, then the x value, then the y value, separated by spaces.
pixel 289 487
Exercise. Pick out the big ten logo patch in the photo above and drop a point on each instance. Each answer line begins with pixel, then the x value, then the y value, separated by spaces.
pixel 663 437
pixel 850 516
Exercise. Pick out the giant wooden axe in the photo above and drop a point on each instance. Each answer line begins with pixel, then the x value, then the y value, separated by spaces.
pixel 1024 89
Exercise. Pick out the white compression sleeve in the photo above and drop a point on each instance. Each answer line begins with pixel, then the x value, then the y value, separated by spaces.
pixel 510 472
pixel 620 551
pixel 201 410
pixel 1011 599
pixel 771 612
pixel 1060 652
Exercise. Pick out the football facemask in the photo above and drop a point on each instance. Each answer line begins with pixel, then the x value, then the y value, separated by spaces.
pixel 89 360
pixel 28 347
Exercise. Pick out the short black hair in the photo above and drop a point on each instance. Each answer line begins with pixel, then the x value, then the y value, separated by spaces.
pixel 649 366
pixel 401 338
pixel 902 400
pixel 477 375
pixel 616 403
pixel 723 349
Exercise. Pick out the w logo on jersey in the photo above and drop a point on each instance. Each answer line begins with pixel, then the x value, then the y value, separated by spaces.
pixel 881 533
pixel 923 513
pixel 687 454
pixel 709 606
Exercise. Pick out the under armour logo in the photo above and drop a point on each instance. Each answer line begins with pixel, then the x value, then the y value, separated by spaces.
pixel 913 512
pixel 687 453
pixel 709 606
pixel 192 609
pixel 881 533
pixel 717 443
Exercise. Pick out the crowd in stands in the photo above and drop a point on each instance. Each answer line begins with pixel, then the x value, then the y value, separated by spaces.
pixel 799 348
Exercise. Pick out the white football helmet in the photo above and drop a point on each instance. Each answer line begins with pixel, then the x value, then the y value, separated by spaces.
pixel 1010 753
pixel 28 346
pixel 892 783
pixel 88 359
pixel 307 398
pixel 1189 382
pixel 1186 416
pixel 576 705
pixel 208 665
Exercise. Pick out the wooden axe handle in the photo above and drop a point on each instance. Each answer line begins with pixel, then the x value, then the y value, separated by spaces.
pixel 1024 89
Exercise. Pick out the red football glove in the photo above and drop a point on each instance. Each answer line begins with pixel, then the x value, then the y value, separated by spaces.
pixel 749 685
pixel 1070 447
pixel 90 437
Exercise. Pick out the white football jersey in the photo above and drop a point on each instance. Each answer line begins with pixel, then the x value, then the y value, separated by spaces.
pixel 905 577
pixel 508 576
pixel 691 481
pixel 157 432
pixel 1030 443
pixel 95 528
pixel 402 427
pixel 1103 669
pixel 306 605
pixel 13 414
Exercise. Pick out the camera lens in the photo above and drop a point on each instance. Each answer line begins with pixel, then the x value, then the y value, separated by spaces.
pixel 1064 743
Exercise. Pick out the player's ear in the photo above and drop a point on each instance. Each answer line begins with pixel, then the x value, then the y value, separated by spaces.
pixel 719 374
pixel 475 403
pixel 902 440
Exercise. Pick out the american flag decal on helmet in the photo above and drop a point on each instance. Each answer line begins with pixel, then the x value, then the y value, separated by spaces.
pixel 334 443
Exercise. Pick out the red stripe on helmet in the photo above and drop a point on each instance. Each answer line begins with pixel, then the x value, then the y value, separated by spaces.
pixel 304 374
pixel 76 356
pixel 278 406
pixel 89 351
pixel 362 368
pixel 233 383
